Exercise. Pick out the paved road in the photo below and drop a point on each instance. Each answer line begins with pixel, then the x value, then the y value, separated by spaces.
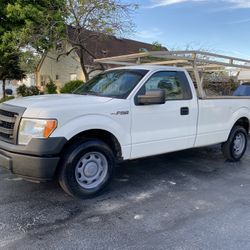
pixel 186 200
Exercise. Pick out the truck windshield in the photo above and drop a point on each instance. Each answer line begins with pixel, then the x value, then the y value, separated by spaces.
pixel 114 83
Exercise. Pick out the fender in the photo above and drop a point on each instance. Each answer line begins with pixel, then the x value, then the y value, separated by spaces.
pixel 121 130
pixel 238 114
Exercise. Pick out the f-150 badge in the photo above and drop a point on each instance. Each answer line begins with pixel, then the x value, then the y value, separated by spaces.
pixel 120 113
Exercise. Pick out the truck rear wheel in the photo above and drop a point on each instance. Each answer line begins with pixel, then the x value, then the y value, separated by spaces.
pixel 87 168
pixel 236 145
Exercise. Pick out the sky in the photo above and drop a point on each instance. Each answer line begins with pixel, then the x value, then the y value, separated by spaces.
pixel 220 26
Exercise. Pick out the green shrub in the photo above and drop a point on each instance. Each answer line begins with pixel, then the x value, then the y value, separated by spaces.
pixel 23 90
pixel 69 87
pixel 51 88
pixel 33 90
pixel 7 98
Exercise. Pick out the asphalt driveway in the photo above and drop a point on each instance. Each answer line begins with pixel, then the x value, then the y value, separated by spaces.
pixel 186 200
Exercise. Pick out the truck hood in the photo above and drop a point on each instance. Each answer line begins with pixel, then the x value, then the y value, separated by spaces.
pixel 45 101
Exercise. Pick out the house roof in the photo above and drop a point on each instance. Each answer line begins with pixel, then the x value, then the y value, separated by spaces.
pixel 107 46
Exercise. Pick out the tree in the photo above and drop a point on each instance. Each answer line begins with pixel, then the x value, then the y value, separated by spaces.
pixel 29 60
pixel 10 67
pixel 32 24
pixel 24 25
pixel 95 19
pixel 43 24
pixel 157 46
pixel 27 24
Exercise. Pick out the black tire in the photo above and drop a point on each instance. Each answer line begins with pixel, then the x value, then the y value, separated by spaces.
pixel 72 163
pixel 228 147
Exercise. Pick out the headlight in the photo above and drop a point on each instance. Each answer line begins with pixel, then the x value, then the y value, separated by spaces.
pixel 35 128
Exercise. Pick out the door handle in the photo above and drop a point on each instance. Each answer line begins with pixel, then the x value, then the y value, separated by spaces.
pixel 184 111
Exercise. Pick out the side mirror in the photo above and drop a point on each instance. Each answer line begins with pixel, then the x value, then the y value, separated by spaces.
pixel 151 97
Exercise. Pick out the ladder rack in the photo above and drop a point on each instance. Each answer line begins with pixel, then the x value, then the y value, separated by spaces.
pixel 196 61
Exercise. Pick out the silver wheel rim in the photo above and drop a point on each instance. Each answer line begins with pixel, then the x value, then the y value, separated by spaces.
pixel 91 170
pixel 239 144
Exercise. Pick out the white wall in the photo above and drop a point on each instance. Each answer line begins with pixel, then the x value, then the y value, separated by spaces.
pixel 244 76
pixel 13 84
pixel 63 69
pixel 8 85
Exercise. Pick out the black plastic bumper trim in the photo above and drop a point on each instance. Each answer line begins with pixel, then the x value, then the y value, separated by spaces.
pixel 38 160
pixel 31 167
pixel 37 146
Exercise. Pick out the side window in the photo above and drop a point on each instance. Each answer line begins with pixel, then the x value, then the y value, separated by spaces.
pixel 174 83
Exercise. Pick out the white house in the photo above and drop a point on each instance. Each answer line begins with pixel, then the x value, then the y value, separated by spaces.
pixel 244 75
pixel 29 80
pixel 67 67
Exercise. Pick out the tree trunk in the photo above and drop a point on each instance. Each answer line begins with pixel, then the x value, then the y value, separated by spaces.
pixel 79 30
pixel 86 75
pixel 3 88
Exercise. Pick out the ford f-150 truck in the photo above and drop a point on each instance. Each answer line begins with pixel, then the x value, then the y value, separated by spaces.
pixel 121 114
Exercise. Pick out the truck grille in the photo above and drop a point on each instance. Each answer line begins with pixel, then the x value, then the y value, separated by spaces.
pixel 7 124
pixel 10 117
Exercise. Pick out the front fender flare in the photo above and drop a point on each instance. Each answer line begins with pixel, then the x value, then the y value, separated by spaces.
pixel 102 122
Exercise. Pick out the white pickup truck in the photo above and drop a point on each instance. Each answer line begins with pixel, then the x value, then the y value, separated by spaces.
pixel 121 114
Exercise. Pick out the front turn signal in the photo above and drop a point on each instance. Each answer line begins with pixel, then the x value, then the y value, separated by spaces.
pixel 50 126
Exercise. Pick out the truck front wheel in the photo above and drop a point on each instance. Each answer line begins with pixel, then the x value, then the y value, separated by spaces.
pixel 87 168
pixel 236 145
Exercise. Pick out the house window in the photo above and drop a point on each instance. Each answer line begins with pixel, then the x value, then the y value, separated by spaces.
pixel 59 46
pixel 42 80
pixel 57 77
pixel 73 77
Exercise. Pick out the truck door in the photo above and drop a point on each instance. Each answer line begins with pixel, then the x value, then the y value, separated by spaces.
pixel 165 127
